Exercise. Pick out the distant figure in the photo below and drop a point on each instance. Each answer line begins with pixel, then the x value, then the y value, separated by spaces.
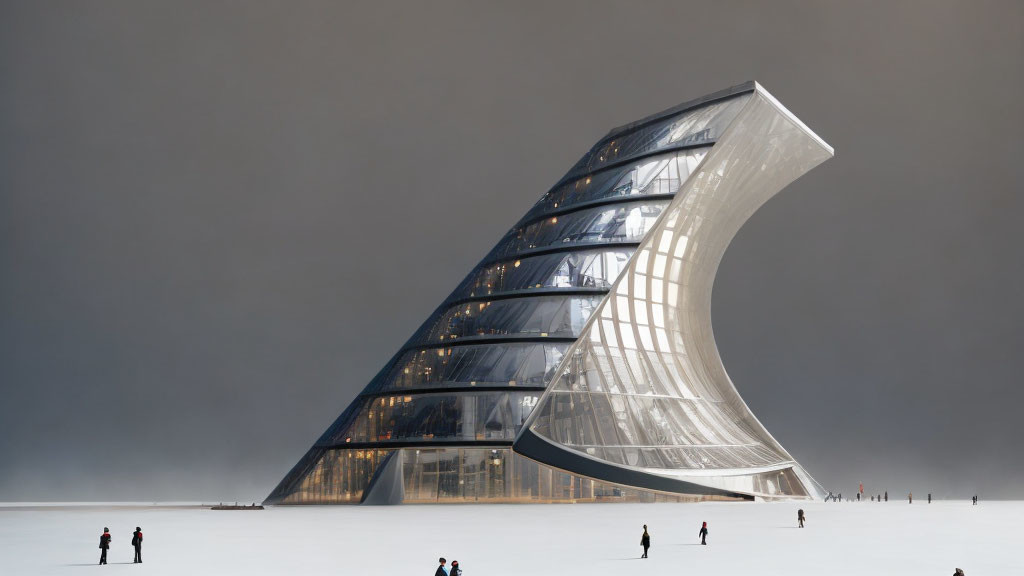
pixel 703 534
pixel 440 569
pixel 455 571
pixel 860 490
pixel 879 498
pixel 872 498
pixel 958 572
pixel 137 543
pixel 886 495
pixel 974 502
pixel 104 545
pixel 858 496
pixel 910 497
pixel 929 497
pixel 645 541
pixel 800 517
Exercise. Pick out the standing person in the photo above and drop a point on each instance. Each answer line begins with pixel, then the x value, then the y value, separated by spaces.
pixel 910 497
pixel 703 534
pixel 800 517
pixel 137 543
pixel 929 497
pixel 860 490
pixel 886 495
pixel 104 545
pixel 440 569
pixel 455 571
pixel 974 501
pixel 858 496
pixel 645 541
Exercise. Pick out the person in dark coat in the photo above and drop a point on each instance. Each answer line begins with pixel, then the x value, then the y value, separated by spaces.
pixel 886 495
pixel 440 569
pixel 104 545
pixel 645 541
pixel 137 543
pixel 703 534
pixel 455 570
pixel 800 517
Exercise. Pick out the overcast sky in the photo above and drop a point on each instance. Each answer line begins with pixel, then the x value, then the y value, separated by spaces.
pixel 219 220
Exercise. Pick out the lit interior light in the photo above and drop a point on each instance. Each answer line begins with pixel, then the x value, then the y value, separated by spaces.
pixel 554 220
pixel 516 265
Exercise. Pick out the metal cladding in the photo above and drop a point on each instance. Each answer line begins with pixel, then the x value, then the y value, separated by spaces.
pixel 577 362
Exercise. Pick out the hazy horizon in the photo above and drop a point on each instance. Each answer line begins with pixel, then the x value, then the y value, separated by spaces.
pixel 219 221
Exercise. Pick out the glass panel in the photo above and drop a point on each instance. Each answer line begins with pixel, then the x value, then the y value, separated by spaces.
pixel 655 175
pixel 500 475
pixel 555 316
pixel 339 477
pixel 616 223
pixel 506 364
pixel 586 269
pixel 697 126
pixel 426 417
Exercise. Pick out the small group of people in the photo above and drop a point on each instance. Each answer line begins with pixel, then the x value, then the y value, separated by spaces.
pixel 443 571
pixel 105 540
pixel 645 538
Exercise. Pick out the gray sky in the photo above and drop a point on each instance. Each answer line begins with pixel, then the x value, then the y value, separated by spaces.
pixel 219 220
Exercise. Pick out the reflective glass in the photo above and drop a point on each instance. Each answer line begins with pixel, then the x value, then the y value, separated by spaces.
pixel 703 125
pixel 662 174
pixel 584 269
pixel 541 316
pixel 340 477
pixel 616 223
pixel 500 475
pixel 425 417
pixel 504 364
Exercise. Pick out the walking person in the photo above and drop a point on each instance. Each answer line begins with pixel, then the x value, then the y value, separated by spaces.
pixel 910 497
pixel 929 497
pixel 703 534
pixel 455 571
pixel 440 569
pixel 104 545
pixel 137 544
pixel 800 517
pixel 645 541
pixel 886 495
pixel 974 501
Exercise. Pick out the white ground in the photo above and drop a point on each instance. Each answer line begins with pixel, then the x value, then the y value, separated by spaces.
pixel 591 539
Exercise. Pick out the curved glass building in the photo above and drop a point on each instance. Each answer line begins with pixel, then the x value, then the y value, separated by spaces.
pixel 577 362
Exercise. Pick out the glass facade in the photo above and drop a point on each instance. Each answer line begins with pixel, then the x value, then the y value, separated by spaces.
pixel 584 329
pixel 443 475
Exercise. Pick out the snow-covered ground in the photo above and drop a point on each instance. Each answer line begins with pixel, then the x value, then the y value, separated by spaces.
pixel 591 539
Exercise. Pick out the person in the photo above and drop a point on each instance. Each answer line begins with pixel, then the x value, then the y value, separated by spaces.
pixel 137 543
pixel 800 517
pixel 104 544
pixel 860 490
pixel 703 534
pixel 440 569
pixel 455 571
pixel 974 502
pixel 929 497
pixel 886 495
pixel 858 496
pixel 910 497
pixel 645 541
